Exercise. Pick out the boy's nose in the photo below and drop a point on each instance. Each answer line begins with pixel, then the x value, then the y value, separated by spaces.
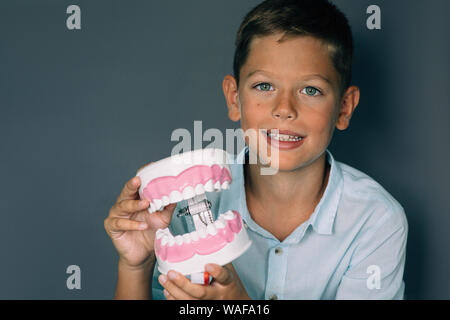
pixel 283 116
pixel 284 111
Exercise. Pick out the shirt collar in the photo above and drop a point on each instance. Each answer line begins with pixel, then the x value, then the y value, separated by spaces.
pixel 322 219
pixel 324 214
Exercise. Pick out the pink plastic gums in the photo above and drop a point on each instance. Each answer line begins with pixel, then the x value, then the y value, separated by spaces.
pixel 163 186
pixel 202 246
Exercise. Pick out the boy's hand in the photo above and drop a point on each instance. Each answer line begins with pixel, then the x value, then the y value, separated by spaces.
pixel 226 285
pixel 132 229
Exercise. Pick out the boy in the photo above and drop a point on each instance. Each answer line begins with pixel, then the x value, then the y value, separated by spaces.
pixel 320 229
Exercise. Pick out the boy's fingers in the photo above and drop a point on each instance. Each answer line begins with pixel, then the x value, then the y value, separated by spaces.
pixel 130 206
pixel 220 274
pixel 129 191
pixel 175 291
pixel 166 214
pixel 118 224
pixel 197 291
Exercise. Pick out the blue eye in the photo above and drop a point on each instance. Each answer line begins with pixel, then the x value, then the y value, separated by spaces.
pixel 263 86
pixel 311 91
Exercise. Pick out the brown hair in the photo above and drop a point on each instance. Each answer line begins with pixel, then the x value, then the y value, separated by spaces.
pixel 316 18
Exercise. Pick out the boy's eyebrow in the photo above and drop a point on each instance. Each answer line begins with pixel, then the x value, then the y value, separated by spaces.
pixel 307 77
pixel 312 76
pixel 257 71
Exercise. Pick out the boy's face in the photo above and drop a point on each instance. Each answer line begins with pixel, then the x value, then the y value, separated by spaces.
pixel 292 86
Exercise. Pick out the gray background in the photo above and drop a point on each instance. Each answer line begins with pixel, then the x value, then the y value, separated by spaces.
pixel 81 110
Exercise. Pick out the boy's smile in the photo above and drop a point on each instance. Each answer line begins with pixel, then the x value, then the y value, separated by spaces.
pixel 291 86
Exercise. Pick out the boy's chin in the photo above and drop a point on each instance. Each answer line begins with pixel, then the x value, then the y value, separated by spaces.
pixel 282 165
pixel 287 165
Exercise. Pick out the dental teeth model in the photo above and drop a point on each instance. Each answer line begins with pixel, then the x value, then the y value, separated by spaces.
pixel 188 176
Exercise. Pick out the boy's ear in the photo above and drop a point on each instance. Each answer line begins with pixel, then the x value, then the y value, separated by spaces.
pixel 230 90
pixel 348 104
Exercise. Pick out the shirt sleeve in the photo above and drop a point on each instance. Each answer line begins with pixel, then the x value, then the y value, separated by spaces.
pixel 378 261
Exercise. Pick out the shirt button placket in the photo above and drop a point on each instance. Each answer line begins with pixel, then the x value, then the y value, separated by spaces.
pixel 277 273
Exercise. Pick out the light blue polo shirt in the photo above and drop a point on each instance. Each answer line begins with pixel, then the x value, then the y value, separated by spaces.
pixel 352 246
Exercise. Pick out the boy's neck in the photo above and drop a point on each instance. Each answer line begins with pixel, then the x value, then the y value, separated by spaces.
pixel 286 196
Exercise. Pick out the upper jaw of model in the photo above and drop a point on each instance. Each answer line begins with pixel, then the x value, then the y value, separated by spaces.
pixel 188 176
pixel 183 176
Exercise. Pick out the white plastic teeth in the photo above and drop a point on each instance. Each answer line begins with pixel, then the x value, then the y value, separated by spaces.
pixel 179 240
pixel 211 229
pixel 188 192
pixel 187 238
pixel 168 239
pixel 229 215
pixel 202 233
pixel 161 232
pixel 284 137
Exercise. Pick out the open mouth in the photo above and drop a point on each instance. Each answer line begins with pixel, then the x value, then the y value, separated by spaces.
pixel 283 135
pixel 284 139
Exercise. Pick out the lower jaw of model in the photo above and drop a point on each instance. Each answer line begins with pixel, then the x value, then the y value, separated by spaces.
pixel 189 176
pixel 220 242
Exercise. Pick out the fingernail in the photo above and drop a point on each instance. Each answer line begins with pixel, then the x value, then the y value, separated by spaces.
pixel 142 226
pixel 162 279
pixel 166 293
pixel 144 203
pixel 209 268
pixel 172 275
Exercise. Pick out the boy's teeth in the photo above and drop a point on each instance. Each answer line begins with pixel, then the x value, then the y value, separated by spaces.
pixel 284 137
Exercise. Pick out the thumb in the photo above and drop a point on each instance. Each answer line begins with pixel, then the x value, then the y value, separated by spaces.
pixel 166 214
pixel 222 275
